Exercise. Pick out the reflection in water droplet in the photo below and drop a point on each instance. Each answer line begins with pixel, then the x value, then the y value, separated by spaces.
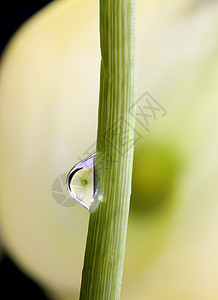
pixel 81 182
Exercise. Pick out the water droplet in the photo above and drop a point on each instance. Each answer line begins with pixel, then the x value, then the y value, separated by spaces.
pixel 81 182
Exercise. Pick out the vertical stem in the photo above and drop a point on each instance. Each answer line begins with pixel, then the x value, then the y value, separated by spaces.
pixel 104 257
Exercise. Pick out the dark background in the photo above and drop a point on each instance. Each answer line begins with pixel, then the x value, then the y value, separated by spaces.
pixel 15 13
pixel 14 284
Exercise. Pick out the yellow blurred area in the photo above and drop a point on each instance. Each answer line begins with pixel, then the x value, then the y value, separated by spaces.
pixel 48 120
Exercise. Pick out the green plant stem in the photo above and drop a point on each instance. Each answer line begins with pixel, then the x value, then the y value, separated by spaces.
pixel 105 248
